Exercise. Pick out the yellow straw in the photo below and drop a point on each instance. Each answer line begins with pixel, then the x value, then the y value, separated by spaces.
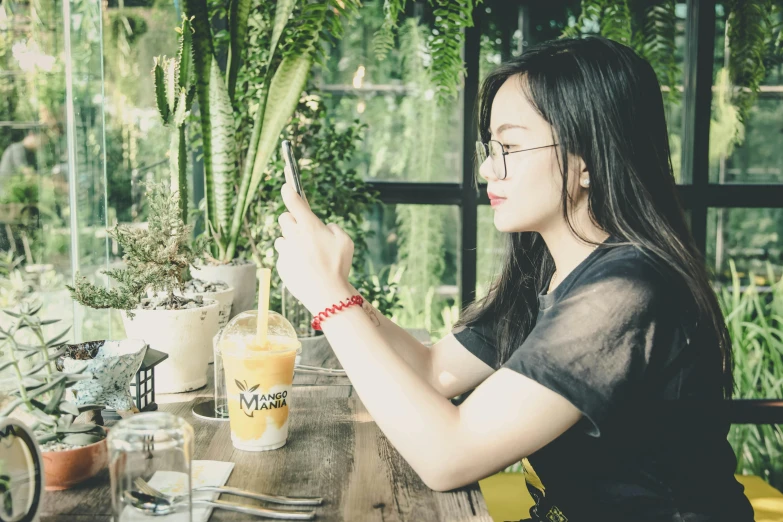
pixel 263 306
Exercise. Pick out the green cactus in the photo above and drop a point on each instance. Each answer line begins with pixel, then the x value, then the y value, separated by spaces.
pixel 174 93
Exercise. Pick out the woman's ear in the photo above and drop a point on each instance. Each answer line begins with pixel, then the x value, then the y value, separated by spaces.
pixel 584 175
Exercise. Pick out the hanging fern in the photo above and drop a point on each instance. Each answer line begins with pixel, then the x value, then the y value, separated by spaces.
pixel 748 30
pixel 448 69
pixel 647 26
pixel 452 17
pixel 383 40
pixel 616 21
pixel 592 12
pixel 656 44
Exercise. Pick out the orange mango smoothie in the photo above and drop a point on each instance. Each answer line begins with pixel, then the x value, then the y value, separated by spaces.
pixel 258 388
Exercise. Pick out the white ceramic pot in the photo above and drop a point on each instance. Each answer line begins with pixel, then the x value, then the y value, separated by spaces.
pixel 241 277
pixel 225 299
pixel 186 335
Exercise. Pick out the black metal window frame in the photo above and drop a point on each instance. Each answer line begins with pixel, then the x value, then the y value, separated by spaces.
pixel 698 195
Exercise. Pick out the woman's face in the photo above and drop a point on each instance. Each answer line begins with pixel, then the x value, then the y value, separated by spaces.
pixel 528 199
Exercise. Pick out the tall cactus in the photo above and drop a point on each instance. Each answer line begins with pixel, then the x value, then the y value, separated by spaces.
pixel 174 93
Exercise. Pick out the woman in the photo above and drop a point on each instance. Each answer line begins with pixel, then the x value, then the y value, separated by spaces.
pixel 601 323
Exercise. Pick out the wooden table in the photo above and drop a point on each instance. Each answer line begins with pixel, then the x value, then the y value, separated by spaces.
pixel 334 450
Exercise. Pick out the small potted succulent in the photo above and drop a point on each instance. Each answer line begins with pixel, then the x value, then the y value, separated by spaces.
pixel 150 293
pixel 73 451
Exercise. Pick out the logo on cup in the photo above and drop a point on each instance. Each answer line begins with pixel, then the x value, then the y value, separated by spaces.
pixel 251 402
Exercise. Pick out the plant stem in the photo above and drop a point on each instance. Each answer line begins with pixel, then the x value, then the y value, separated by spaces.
pixel 183 180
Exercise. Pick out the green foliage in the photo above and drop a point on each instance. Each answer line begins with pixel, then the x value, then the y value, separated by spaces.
pixel 749 32
pixel 294 33
pixel 157 259
pixel 755 322
pixel 648 26
pixel 383 41
pixel 335 192
pixel 40 389
pixel 174 93
pixel 444 45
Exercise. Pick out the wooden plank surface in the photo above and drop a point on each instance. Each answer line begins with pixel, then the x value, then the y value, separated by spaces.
pixel 334 450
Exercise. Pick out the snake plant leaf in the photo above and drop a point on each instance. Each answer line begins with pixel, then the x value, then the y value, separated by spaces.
pixel 81 439
pixel 224 153
pixel 160 90
pixel 284 92
pixel 282 14
pixel 198 12
pixel 238 13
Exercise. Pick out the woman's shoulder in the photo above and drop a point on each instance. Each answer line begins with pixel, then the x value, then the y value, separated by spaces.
pixel 624 267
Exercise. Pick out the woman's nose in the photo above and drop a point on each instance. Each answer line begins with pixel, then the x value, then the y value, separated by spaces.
pixel 487 171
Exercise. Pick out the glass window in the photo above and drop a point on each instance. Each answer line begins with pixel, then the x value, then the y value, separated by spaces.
pixel 52 177
pixel 410 137
pixel 750 237
pixel 749 152
pixel 490 252
pixel 421 241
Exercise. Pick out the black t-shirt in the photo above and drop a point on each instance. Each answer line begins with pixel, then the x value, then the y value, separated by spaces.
pixel 612 339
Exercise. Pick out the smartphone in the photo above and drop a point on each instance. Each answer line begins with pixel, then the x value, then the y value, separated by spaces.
pixel 293 168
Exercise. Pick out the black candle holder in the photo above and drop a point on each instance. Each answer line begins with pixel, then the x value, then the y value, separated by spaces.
pixel 144 383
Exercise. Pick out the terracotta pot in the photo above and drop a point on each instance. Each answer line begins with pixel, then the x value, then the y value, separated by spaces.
pixel 65 469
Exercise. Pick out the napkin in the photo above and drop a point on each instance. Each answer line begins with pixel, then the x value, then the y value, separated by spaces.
pixel 203 473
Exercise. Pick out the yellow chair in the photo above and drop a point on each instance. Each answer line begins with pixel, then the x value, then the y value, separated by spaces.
pixel 507 497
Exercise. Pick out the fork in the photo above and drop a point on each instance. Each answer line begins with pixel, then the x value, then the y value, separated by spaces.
pixel 303 368
pixel 144 487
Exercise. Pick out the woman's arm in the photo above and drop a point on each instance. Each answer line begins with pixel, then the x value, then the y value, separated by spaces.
pixel 447 366
pixel 448 446
pixel 507 417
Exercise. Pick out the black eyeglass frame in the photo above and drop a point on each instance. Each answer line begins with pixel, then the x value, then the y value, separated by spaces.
pixel 484 147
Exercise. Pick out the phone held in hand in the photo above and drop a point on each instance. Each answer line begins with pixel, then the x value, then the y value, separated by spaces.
pixel 292 174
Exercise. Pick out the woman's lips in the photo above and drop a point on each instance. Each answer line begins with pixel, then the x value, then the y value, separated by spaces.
pixel 495 200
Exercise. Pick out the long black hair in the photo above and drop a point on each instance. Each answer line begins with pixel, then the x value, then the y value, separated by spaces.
pixel 604 105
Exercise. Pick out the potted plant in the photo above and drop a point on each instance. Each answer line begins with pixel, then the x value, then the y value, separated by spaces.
pixel 157 262
pixel 268 81
pixel 174 93
pixel 72 451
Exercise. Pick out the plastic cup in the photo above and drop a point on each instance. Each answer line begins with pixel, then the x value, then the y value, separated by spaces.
pixel 258 381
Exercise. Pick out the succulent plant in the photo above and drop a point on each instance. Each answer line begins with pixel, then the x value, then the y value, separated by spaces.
pixel 40 387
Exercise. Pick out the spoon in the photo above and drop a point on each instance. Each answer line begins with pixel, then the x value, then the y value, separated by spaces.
pixel 160 506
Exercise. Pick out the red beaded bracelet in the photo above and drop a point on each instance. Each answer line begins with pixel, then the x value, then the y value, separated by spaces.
pixel 330 310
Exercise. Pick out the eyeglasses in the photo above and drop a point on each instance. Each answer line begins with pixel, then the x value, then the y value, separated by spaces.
pixel 495 150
